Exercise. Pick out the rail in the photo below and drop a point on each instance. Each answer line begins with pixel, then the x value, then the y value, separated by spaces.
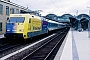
pixel 44 51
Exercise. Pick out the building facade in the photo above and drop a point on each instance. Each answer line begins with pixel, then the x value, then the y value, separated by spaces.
pixel 7 8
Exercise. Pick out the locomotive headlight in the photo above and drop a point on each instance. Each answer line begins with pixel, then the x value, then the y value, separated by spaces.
pixel 13 30
pixel 8 30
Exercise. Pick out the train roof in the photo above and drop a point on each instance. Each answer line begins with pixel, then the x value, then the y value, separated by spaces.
pixel 56 22
pixel 23 15
pixel 52 21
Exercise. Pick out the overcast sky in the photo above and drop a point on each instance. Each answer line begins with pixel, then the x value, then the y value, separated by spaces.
pixel 58 7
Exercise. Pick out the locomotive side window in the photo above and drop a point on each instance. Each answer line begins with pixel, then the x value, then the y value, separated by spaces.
pixel 7 10
pixel 1 9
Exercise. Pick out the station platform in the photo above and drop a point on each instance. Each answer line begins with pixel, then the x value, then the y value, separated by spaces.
pixel 76 46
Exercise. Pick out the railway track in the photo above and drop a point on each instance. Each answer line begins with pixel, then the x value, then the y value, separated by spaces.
pixel 34 49
pixel 7 47
pixel 1 45
pixel 43 52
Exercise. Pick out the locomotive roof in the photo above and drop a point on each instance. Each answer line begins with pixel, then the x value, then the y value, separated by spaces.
pixel 23 15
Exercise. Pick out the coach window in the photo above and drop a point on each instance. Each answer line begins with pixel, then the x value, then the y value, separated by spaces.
pixel 0 26
pixel 58 18
pixel 1 9
pixel 7 10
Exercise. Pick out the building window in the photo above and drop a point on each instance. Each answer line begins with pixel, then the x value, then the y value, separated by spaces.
pixel 7 10
pixel 12 10
pixel 1 9
pixel 0 26
pixel 17 11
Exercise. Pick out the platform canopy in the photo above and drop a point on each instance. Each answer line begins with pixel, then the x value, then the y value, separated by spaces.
pixel 51 16
pixel 81 16
pixel 64 18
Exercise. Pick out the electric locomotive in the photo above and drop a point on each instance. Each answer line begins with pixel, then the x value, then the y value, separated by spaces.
pixel 25 26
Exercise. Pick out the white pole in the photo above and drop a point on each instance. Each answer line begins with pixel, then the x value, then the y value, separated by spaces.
pixel 89 25
pixel 89 28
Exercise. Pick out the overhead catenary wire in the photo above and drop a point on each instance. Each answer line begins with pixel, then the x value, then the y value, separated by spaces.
pixel 43 6
pixel 32 6
pixel 29 6
pixel 46 7
pixel 55 5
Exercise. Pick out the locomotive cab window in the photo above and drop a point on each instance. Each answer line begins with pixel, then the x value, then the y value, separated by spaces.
pixel 17 19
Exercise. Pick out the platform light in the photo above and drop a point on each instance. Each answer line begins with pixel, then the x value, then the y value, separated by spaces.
pixel 89 23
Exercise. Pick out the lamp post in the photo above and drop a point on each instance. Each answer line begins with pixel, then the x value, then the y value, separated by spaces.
pixel 89 27
pixel 89 24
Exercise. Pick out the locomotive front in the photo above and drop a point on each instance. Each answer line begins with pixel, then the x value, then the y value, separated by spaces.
pixel 15 26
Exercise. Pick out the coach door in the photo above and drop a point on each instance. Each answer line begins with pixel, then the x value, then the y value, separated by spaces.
pixel 29 28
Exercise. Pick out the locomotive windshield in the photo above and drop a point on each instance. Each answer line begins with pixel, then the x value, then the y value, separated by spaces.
pixel 16 19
